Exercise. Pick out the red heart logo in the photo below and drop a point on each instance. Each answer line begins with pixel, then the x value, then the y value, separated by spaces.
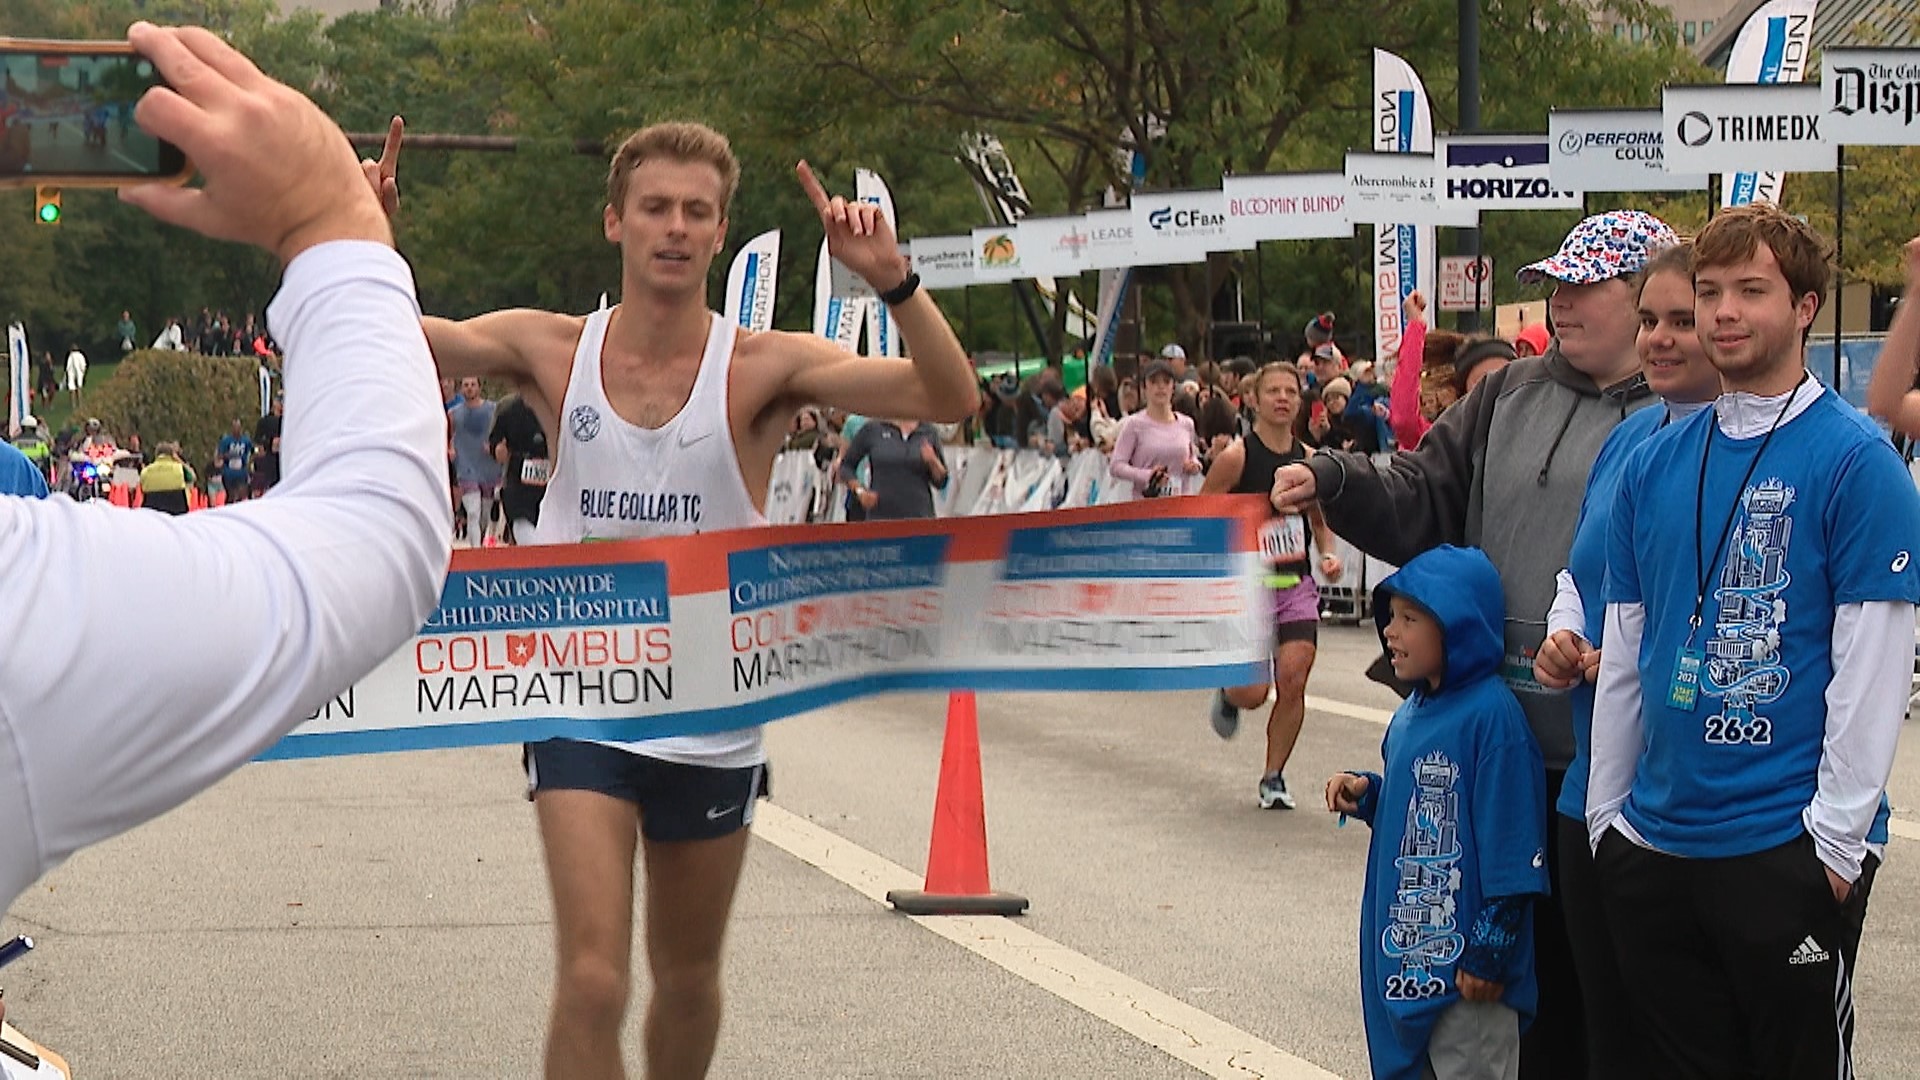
pixel 804 618
pixel 521 648
pixel 1096 597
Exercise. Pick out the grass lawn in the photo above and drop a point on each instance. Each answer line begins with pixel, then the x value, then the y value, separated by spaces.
pixel 60 414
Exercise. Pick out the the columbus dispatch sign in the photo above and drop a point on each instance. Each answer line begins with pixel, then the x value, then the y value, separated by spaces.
pixel 650 638
pixel 1871 96
pixel 1731 128
pixel 1612 150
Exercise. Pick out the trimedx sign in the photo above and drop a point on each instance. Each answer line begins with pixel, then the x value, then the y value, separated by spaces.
pixel 1737 127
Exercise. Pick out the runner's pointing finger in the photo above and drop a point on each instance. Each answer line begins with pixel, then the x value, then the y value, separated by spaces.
pixel 811 185
pixel 390 153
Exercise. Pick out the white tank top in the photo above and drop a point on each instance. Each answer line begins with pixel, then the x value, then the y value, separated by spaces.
pixel 613 480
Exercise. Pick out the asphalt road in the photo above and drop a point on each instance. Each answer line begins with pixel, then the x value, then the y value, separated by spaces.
pixel 386 916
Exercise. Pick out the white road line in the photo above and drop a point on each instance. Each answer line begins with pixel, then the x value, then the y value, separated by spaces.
pixel 1899 827
pixel 1207 1043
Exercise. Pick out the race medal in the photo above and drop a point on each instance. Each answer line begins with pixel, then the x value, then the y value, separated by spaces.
pixel 1283 540
pixel 1684 692
pixel 535 471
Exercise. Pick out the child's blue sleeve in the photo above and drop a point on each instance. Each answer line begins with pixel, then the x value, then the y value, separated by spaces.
pixel 1509 807
pixel 1494 942
pixel 1369 802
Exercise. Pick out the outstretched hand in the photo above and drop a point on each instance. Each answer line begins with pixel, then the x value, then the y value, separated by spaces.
pixel 279 174
pixel 858 234
pixel 383 176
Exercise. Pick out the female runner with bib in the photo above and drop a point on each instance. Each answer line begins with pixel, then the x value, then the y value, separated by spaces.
pixel 1245 467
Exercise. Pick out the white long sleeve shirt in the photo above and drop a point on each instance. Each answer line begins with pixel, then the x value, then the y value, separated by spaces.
pixel 169 651
pixel 1871 653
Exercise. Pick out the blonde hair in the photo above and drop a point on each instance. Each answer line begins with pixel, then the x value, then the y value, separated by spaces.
pixel 674 141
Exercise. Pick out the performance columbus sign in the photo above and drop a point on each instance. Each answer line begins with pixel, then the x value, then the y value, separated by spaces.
pixel 1612 150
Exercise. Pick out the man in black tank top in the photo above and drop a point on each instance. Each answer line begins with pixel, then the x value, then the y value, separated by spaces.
pixel 669 187
pixel 1248 467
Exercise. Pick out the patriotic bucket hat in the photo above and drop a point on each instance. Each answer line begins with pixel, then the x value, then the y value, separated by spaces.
pixel 1602 247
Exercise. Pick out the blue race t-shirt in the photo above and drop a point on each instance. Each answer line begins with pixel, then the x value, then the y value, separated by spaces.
pixel 1460 819
pixel 1829 518
pixel 235 451
pixel 1587 562
pixel 18 474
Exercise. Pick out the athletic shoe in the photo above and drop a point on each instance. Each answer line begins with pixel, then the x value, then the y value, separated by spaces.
pixel 1225 717
pixel 1273 792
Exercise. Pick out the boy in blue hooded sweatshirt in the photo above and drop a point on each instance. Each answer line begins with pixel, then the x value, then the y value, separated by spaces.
pixel 1459 844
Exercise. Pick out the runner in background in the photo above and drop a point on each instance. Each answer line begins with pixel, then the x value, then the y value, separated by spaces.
pixel 520 447
pixel 1247 466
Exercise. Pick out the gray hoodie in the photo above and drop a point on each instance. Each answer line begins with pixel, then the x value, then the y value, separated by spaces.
pixel 1504 470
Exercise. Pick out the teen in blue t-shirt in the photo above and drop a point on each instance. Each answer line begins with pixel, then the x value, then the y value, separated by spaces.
pixel 1828 517
pixel 1760 603
pixel 1459 842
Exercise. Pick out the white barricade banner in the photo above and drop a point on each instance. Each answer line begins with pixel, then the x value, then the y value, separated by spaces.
pixel 651 638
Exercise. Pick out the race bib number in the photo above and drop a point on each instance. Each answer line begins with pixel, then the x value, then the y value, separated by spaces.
pixel 535 471
pixel 1283 540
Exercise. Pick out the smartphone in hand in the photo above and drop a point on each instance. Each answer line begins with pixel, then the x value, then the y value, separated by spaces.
pixel 66 117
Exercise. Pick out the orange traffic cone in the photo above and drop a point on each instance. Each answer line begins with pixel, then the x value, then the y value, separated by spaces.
pixel 957 881
pixel 219 497
pixel 117 495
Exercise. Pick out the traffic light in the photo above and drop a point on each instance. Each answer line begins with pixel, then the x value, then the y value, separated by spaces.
pixel 46 205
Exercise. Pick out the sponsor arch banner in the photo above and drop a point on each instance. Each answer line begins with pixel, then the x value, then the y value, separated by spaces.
pixel 1871 96
pixel 645 639
pixel 1174 227
pixel 1295 206
pixel 943 262
pixel 1746 130
pixel 1612 150
pixel 997 255
pixel 1498 172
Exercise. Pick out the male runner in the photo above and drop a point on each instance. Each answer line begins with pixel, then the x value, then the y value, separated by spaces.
pixel 662 398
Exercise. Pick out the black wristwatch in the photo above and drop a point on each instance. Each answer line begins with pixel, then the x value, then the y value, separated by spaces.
pixel 900 293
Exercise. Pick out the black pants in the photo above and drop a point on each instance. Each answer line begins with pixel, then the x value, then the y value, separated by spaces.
pixel 1555 1047
pixel 1740 968
pixel 1613 1041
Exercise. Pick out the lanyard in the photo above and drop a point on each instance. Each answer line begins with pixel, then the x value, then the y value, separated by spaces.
pixel 1702 569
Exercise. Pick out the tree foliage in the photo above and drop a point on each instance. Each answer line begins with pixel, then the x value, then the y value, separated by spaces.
pixel 1207 88
pixel 181 396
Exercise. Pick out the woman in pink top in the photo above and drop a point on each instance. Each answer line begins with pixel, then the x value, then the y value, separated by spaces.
pixel 1404 402
pixel 1155 445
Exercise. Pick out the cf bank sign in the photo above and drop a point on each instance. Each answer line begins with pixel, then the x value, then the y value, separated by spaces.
pixel 1735 128
pixel 1872 96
